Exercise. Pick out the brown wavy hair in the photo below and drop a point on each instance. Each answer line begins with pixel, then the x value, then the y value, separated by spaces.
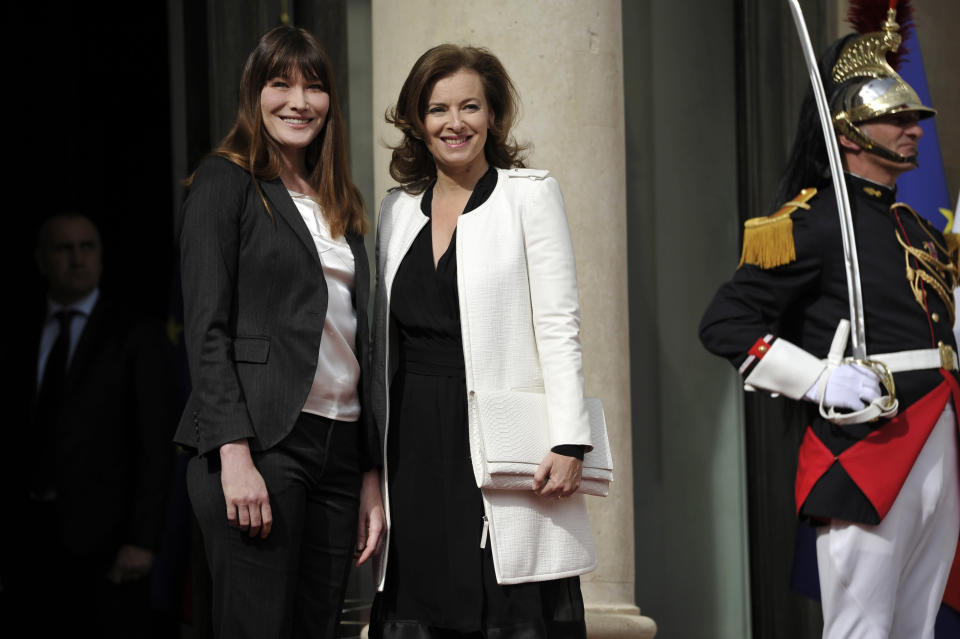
pixel 412 164
pixel 286 52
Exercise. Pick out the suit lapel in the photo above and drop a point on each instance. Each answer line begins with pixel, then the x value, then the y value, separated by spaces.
pixel 30 358
pixel 88 342
pixel 361 278
pixel 283 206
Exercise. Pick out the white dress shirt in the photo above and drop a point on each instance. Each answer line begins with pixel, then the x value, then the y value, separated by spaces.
pixel 51 328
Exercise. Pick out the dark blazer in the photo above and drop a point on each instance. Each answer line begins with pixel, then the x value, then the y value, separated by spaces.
pixel 255 300
pixel 112 444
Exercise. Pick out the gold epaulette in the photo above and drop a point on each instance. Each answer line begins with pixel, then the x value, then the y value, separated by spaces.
pixel 768 241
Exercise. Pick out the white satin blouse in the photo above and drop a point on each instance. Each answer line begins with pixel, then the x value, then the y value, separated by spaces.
pixel 334 390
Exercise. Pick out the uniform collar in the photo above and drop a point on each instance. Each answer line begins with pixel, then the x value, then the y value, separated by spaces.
pixel 870 190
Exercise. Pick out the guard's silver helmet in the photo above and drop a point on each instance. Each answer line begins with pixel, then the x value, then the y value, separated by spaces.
pixel 870 88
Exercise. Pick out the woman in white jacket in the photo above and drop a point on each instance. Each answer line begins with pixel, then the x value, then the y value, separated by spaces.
pixel 476 292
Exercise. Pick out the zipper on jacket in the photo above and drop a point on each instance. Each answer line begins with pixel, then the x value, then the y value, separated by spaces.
pixel 483 535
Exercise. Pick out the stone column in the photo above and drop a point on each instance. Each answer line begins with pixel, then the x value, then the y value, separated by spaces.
pixel 565 57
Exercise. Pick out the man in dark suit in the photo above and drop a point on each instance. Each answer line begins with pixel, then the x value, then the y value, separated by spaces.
pixel 90 467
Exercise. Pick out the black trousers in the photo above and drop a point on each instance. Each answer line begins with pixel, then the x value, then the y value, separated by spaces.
pixel 292 583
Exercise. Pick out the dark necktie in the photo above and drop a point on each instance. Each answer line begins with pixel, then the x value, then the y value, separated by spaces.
pixel 50 404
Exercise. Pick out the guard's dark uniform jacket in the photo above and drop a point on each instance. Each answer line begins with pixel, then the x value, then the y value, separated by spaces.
pixel 844 469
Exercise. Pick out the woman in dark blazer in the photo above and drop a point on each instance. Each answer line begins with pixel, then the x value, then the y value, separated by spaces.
pixel 276 289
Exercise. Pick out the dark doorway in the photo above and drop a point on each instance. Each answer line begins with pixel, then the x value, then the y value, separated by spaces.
pixel 89 130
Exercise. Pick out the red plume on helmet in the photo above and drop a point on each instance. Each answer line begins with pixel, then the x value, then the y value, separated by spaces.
pixel 868 16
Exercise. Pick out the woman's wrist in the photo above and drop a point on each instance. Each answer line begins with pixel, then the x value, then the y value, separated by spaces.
pixel 569 450
pixel 239 449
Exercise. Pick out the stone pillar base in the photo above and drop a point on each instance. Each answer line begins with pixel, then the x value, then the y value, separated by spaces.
pixel 618 622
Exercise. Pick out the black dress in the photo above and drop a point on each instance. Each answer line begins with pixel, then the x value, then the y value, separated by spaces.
pixel 440 582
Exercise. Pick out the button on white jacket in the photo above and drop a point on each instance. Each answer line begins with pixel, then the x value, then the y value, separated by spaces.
pixel 520 319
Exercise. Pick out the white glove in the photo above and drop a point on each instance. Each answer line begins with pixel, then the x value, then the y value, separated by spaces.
pixel 849 386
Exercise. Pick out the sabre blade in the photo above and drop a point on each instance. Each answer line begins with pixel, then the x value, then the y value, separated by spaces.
pixel 850 260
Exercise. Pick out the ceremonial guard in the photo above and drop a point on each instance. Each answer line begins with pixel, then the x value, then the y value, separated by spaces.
pixel 877 469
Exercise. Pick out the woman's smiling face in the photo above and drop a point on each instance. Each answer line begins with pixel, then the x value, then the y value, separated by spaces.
pixel 456 121
pixel 294 110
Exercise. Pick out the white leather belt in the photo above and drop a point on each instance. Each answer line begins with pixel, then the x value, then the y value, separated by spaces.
pixel 944 356
pixel 941 357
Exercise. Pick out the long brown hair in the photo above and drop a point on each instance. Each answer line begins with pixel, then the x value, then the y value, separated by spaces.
pixel 285 52
pixel 412 164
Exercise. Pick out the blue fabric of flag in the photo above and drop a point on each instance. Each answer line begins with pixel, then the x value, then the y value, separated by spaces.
pixel 925 189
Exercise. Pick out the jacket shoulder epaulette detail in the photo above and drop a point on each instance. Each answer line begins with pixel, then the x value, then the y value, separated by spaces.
pixel 768 241
pixel 533 174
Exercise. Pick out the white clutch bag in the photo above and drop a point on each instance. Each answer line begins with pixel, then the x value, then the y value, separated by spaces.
pixel 515 433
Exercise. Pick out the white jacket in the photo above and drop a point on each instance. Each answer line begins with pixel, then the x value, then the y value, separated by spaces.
pixel 520 320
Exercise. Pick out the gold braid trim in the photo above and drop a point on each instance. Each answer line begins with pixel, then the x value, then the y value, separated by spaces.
pixel 923 225
pixel 940 276
pixel 768 241
pixel 953 247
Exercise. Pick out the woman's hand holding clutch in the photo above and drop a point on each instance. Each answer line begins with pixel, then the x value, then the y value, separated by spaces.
pixel 557 476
